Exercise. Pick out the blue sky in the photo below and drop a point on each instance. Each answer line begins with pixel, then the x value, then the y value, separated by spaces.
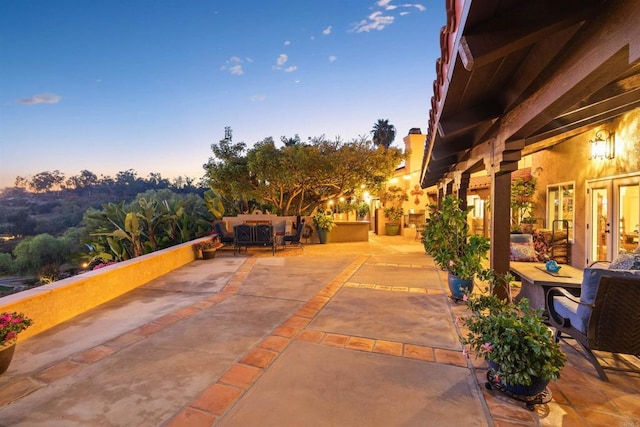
pixel 148 85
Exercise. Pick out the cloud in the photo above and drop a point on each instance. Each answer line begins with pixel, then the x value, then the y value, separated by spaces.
pixel 41 98
pixel 234 65
pixel 332 58
pixel 281 60
pixel 375 21
pixel 418 6
pixel 259 97
pixel 327 31
pixel 287 43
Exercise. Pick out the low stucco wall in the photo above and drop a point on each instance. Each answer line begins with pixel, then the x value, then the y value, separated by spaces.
pixel 52 304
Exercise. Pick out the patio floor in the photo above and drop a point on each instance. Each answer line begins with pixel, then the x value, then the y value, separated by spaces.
pixel 345 334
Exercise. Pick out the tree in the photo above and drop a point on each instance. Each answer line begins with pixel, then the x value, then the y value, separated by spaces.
pixel 298 177
pixel 47 181
pixel 40 252
pixel 383 133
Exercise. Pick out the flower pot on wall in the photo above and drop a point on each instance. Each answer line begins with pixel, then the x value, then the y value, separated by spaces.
pixel 6 355
pixel 458 287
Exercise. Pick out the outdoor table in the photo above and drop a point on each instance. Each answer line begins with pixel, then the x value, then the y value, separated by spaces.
pixel 536 281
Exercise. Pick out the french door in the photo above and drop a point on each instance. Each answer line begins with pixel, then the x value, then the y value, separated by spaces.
pixel 613 216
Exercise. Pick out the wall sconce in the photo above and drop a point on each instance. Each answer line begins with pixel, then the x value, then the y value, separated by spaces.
pixel 601 147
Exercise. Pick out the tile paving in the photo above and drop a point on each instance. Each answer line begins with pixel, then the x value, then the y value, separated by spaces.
pixel 302 338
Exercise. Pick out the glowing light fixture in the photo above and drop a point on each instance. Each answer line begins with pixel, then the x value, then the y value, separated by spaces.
pixel 602 147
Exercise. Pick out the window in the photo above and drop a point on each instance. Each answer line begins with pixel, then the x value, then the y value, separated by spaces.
pixel 560 199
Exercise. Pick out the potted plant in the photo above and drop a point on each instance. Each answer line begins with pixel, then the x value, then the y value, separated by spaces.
pixel 447 240
pixel 11 324
pixel 362 210
pixel 208 248
pixel 522 205
pixel 519 348
pixel 392 200
pixel 323 223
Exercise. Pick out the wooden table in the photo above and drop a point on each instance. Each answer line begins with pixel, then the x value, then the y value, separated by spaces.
pixel 536 281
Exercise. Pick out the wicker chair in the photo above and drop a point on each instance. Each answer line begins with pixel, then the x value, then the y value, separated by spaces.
pixel 606 318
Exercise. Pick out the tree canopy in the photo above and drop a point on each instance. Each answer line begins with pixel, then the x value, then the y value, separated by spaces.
pixel 296 178
pixel 383 133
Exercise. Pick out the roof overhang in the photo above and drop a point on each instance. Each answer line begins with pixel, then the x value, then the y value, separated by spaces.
pixel 516 77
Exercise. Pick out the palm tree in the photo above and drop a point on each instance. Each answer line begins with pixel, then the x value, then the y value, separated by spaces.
pixel 383 133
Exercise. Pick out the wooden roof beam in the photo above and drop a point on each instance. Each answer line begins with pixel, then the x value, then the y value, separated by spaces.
pixel 519 28
pixel 461 123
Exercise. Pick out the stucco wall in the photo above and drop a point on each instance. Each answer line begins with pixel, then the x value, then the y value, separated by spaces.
pixel 569 161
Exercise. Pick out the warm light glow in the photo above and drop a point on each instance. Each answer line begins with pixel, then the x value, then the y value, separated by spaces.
pixel 602 147
pixel 407 177
pixel 342 199
pixel 393 180
pixel 330 202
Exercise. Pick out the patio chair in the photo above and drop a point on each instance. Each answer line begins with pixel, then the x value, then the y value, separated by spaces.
pixel 294 239
pixel 223 237
pixel 604 318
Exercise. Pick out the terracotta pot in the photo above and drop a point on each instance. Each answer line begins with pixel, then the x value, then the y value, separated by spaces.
pixel 6 355
pixel 209 253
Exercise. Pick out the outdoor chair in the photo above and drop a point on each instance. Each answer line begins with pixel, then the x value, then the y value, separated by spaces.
pixel 223 236
pixel 253 235
pixel 294 239
pixel 606 317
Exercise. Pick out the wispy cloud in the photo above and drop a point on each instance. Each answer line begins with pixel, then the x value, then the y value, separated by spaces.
pixel 281 60
pixel 383 15
pixel 327 31
pixel 41 98
pixel 287 43
pixel 332 58
pixel 234 65
pixel 375 21
pixel 259 97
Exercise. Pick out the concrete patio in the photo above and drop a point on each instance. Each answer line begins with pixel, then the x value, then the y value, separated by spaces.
pixel 345 334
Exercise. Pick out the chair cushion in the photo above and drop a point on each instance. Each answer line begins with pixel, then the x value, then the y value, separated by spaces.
pixel 589 288
pixel 521 238
pixel 626 261
pixel 522 252
pixel 569 310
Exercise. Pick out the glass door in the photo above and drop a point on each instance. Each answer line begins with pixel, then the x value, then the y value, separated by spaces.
pixel 627 193
pixel 599 220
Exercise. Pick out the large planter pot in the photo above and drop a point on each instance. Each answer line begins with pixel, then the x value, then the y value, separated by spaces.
pixel 392 229
pixel 537 386
pixel 6 355
pixel 209 253
pixel 458 287
pixel 323 235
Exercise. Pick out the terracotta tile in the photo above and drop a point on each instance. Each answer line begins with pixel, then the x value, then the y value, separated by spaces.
pixel 383 288
pixel 94 354
pixel 259 358
pixel 434 291
pixel 400 289
pixel 186 312
pixel 191 417
pixel 306 312
pixel 274 343
pixel 367 286
pixel 241 375
pixel 169 319
pixel 16 389
pixel 450 357
pixel 216 298
pixel 598 417
pixel 148 329
pixel 124 341
pixel 388 347
pixel 314 305
pixel 310 336
pixel 628 404
pixel 358 343
pixel 217 398
pixel 58 371
pixel 419 352
pixel 201 305
pixel 418 290
pixel 580 396
pixel 319 299
pixel 335 340
pixel 286 331
pixel 351 285
pixel 296 322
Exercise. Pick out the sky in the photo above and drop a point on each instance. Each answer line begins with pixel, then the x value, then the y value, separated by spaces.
pixel 149 85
